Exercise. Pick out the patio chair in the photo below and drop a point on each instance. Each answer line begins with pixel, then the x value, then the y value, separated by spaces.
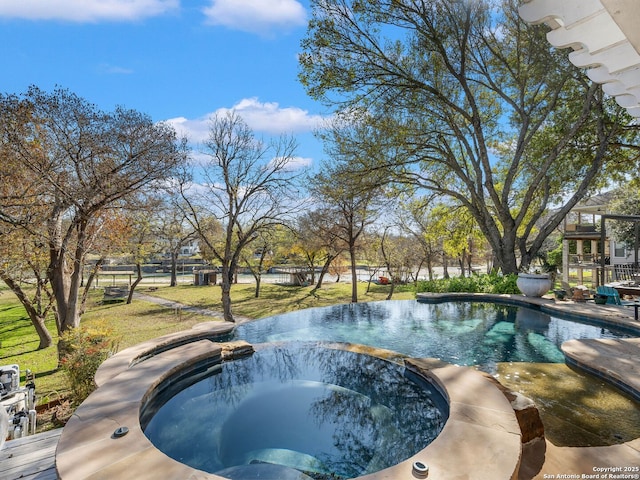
pixel 613 297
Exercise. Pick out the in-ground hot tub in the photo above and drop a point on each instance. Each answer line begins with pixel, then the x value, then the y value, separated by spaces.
pixel 306 406
pixel 104 438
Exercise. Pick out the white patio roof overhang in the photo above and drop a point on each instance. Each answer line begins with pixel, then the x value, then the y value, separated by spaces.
pixel 604 36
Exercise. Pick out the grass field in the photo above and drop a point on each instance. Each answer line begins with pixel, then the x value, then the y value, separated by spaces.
pixel 142 320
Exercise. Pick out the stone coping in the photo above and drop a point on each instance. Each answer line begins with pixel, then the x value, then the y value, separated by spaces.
pixel 616 316
pixel 613 315
pixel 125 359
pixel 90 447
pixel 612 359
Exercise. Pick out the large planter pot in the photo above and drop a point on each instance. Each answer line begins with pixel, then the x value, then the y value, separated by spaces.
pixel 533 284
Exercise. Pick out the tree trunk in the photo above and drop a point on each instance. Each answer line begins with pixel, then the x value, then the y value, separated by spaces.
pixel 257 272
pixel 354 275
pixel 43 333
pixel 60 287
pixel 93 275
pixel 225 285
pixel 445 266
pixel 323 272
pixel 174 269
pixel 430 268
pixel 393 287
pixel 135 283
pixel 258 280
pixel 37 319
pixel 506 255
pixel 312 267
pixel 75 305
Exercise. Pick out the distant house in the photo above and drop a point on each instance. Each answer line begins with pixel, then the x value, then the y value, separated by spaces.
pixel 190 249
pixel 582 249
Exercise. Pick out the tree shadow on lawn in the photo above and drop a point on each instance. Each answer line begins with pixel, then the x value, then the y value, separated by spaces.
pixel 20 347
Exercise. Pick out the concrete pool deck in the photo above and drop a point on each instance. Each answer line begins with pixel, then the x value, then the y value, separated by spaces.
pixel 482 441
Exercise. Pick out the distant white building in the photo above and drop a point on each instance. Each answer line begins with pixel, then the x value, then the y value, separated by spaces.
pixel 190 249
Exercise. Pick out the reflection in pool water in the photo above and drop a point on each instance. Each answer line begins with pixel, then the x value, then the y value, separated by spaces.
pixel 301 405
pixel 463 333
pixel 496 338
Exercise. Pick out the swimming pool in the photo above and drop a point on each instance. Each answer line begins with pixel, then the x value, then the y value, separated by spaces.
pixel 462 333
pixel 305 406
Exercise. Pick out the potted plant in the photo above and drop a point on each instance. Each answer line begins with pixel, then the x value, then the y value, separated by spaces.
pixel 534 284
pixel 560 294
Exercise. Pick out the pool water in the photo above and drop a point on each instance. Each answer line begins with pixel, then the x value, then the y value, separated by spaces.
pixel 519 345
pixel 462 333
pixel 306 406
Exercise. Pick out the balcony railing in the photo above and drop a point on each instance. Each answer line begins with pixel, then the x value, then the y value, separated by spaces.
pixel 581 228
pixel 584 259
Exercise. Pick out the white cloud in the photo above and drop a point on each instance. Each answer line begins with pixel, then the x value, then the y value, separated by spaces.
pixel 297 163
pixel 195 130
pixel 261 117
pixel 271 118
pixel 114 69
pixel 257 16
pixel 85 10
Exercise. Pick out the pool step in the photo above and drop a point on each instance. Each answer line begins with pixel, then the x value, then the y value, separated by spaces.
pixel 613 360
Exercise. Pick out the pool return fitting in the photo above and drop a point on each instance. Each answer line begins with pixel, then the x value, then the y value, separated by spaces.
pixel 420 469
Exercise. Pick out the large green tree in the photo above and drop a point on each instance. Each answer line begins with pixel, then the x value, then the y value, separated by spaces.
pixel 626 201
pixel 463 99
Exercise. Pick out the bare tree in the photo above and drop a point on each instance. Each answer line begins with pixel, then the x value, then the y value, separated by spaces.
pixel 247 186
pixel 142 219
pixel 417 219
pixel 319 238
pixel 258 256
pixel 84 161
pixel 174 231
pixel 400 257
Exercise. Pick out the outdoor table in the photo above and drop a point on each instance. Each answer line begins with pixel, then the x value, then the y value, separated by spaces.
pixel 635 306
pixel 627 290
pixel 630 290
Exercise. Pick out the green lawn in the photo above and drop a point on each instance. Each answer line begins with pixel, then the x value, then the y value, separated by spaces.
pixel 276 299
pixel 141 320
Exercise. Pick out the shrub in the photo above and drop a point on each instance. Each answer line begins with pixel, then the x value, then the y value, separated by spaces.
pixel 504 283
pixel 83 349
pixel 491 283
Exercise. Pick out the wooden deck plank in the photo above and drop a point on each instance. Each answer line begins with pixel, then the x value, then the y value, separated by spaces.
pixel 25 444
pixel 30 458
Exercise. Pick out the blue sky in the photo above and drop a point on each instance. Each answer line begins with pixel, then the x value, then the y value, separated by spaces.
pixel 176 60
